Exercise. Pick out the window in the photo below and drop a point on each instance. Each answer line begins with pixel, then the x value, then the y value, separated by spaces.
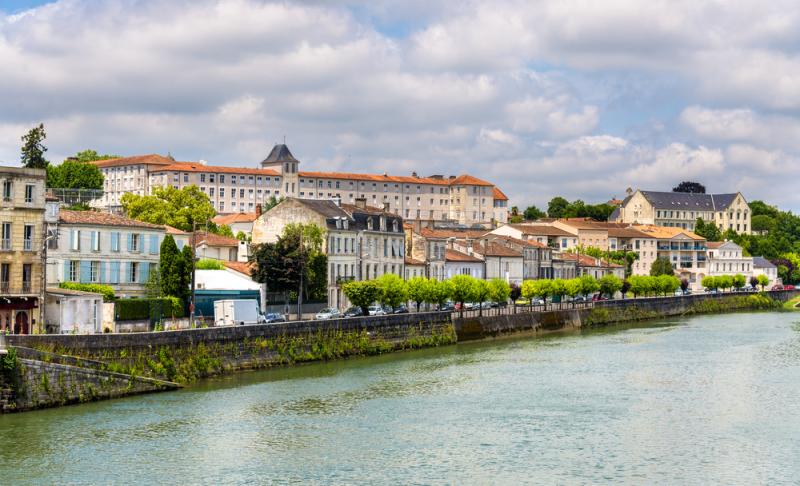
pixel 27 273
pixel 222 179
pixel 185 177
pixel 202 177
pixel 115 241
pixel 133 272
pixel 72 271
pixel 95 241
pixel 27 237
pixel 94 272
pixel 29 193
pixel 211 178
pixel 241 193
pixel 5 274
pixel 8 189
pixel 134 242
pixel 75 240
pixel 221 192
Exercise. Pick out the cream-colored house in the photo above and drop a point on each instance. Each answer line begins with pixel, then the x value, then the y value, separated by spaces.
pixel 681 210
pixel 726 258
pixel 684 249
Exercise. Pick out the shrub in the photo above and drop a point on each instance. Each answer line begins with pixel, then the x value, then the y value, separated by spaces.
pixel 209 264
pixel 139 309
pixel 105 290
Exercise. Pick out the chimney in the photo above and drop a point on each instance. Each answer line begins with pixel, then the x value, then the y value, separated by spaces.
pixel 414 174
pixel 258 210
pixel 361 202
pixel 385 206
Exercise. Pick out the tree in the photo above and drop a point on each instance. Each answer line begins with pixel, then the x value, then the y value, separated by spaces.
pixel 760 208
pixel 172 268
pixel 515 292
pixel 762 223
pixel 480 290
pixel 753 282
pixel 724 281
pixel 572 288
pixel 532 213
pixel 558 287
pixel 393 290
pixel 739 281
pixel 240 235
pixel 542 288
pixel 185 271
pixel 72 174
pixel 271 203
pixel 684 285
pixel 528 290
pixel 609 285
pixel 557 207
pixel 763 280
pixel 441 291
pixel 499 290
pixel 362 293
pixel 589 285
pixel 419 290
pixel 692 187
pixel 709 231
pixel 179 208
pixel 209 264
pixel 626 287
pixel 661 266
pixel 709 282
pixel 33 149
pixel 638 285
pixel 463 289
pixel 152 288
pixel 224 230
pixel 667 284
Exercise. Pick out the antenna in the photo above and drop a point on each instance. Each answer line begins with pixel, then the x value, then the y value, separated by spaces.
pixel 284 139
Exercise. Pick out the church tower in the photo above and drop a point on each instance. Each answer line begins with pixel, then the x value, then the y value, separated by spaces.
pixel 282 161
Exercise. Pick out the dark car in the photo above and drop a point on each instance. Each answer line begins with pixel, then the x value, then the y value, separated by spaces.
pixel 353 312
pixel 447 307
pixel 274 317
pixel 401 309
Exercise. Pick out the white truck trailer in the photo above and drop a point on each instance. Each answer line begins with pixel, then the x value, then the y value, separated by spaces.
pixel 237 312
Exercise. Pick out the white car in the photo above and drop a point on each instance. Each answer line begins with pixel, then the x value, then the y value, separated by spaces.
pixel 328 313
pixel 376 310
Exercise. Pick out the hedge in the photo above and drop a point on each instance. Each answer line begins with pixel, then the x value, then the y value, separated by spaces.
pixel 153 309
pixel 106 290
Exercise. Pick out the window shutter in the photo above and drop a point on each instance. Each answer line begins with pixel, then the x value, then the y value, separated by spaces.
pixel 85 271
pixel 114 241
pixel 130 241
pixel 101 277
pixel 144 273
pixel 65 277
pixel 141 243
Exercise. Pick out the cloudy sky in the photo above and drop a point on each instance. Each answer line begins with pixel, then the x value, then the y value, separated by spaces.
pixel 544 98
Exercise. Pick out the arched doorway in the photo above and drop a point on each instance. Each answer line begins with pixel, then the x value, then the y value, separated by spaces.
pixel 21 323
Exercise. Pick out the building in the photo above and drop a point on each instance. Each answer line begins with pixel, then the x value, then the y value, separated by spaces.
pixel 239 222
pixel 684 249
pixel 229 283
pixel 762 266
pixel 361 242
pixel 415 268
pixel 460 263
pixel 73 311
pixel 681 210
pixel 462 199
pixel 22 226
pixel 596 267
pixel 537 258
pixel 499 260
pixel 218 247
pixel 104 248
pixel 543 233
pixel 127 175
pixel 726 258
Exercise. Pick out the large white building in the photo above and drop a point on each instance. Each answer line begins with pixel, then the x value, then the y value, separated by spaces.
pixel 727 258
pixel 462 199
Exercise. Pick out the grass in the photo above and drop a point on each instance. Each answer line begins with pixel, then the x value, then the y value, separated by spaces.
pixel 793 304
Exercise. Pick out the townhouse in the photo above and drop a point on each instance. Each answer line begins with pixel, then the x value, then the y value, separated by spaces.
pixel 537 258
pixel 460 263
pixel 103 248
pixel 22 226
pixel 685 250
pixel 596 267
pixel 762 266
pixel 727 258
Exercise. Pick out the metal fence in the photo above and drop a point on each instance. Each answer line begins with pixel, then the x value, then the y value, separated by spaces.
pixel 75 196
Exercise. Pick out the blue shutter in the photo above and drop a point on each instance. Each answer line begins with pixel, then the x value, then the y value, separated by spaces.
pixel 144 272
pixel 114 241
pixel 180 244
pixel 101 278
pixel 65 277
pixel 85 271
pixel 141 243
pixel 114 273
pixel 153 244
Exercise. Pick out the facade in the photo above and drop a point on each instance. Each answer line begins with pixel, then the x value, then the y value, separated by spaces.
pixel 104 248
pixel 726 258
pixel 463 199
pixel 499 261
pixel 73 311
pixel 127 175
pixel 762 266
pixel 460 263
pixel 361 242
pixel 414 268
pixel 684 249
pixel 22 226
pixel 217 247
pixel 239 221
pixel 596 267
pixel 537 258
pixel 545 234
pixel 681 210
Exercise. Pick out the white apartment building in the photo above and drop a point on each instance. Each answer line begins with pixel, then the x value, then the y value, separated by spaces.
pixel 127 175
pixel 726 258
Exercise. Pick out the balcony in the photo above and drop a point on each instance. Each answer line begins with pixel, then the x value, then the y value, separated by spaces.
pixel 5 244
pixel 27 245
pixel 4 286
pixel 26 287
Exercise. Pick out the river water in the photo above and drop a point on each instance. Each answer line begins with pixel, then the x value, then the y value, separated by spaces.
pixel 712 399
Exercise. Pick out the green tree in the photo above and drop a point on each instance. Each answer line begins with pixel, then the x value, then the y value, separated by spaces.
pixel 709 231
pixel 72 174
pixel 463 289
pixel 609 285
pixel 763 280
pixel 532 213
pixel 362 293
pixel 499 290
pixel 441 291
pixel 209 264
pixel 589 284
pixel 89 155
pixel 33 149
pixel 709 282
pixel 419 290
pixel 661 266
pixel 152 288
pixel 639 285
pixel 393 290
pixel 185 271
pixel 558 287
pixel 528 290
pixel 724 281
pixel 572 288
pixel 481 292
pixel 557 207
pixel 688 186
pixel 224 230
pixel 762 222
pixel 739 281
pixel 179 208
pixel 172 268
pixel 240 235
pixel 667 284
pixel 271 203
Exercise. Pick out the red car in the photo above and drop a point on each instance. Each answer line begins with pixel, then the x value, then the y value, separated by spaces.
pixel 788 287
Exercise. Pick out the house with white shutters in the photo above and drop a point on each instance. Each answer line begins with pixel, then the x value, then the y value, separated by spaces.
pixel 103 248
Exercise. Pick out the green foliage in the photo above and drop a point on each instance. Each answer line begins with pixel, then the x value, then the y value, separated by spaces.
pixel 80 206
pixel 739 281
pixel 692 187
pixel 393 290
pixel 170 267
pixel 463 288
pixel 441 291
pixel 271 203
pixel 589 284
pixel 557 207
pixel 609 285
pixel 533 213
pixel 763 281
pixel 179 208
pixel 241 236
pixel 558 287
pixel 572 287
pixel 661 266
pixel 224 230
pixel 106 290
pixel 480 291
pixel 362 293
pixel 33 149
pixel 709 231
pixel 499 290
pixel 152 288
pixel 709 282
pixel 667 284
pixel 561 208
pixel 762 222
pixel 420 290
pixel 185 272
pixel 72 174
pixel 209 264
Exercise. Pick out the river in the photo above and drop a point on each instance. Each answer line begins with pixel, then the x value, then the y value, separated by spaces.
pixel 709 399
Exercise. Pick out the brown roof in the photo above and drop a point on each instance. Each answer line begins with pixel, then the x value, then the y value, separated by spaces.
pixel 540 230
pixel 412 261
pixel 713 245
pixel 457 256
pixel 150 159
pixel 234 218
pixel 245 268
pixel 212 239
pixel 511 239
pixel 451 233
pixel 627 232
pixel 468 180
pixel 588 261
pixel 667 232
pixel 376 178
pixel 499 195
pixel 494 249
pixel 174 231
pixel 102 219
pixel 194 167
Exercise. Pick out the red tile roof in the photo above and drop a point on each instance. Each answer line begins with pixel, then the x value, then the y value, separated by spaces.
pixel 174 231
pixel 518 241
pixel 588 261
pixel 245 268
pixel 499 195
pixel 540 230
pixel 102 219
pixel 375 178
pixel 194 167
pixel 212 239
pixel 468 180
pixel 411 261
pixel 451 233
pixel 494 249
pixel 234 218
pixel 457 256
pixel 150 159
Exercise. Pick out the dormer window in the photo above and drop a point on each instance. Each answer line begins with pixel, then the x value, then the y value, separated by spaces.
pixel 369 224
pixel 346 223
pixel 338 223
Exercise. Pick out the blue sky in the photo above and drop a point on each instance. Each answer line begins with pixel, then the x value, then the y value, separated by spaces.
pixel 542 97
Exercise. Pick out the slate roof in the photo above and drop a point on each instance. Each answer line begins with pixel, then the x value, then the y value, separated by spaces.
pixel 761 262
pixel 279 153
pixel 102 219
pixel 687 200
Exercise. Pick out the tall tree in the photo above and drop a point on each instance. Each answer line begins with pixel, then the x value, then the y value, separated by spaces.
pixel 178 208
pixel 185 272
pixel 661 266
pixel 557 207
pixel 709 230
pixel 72 174
pixel 171 266
pixel 33 148
pixel 532 213
pixel 688 186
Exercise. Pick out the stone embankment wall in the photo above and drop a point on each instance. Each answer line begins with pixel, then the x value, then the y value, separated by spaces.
pixel 186 355
pixel 607 312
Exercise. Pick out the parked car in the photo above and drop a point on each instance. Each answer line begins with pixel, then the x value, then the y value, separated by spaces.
pixel 788 287
pixel 401 309
pixel 447 307
pixel 274 317
pixel 490 304
pixel 579 298
pixel 353 312
pixel 328 313
pixel 597 297
pixel 376 310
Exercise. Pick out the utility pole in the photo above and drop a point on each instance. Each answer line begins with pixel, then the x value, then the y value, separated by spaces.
pixel 302 266
pixel 194 271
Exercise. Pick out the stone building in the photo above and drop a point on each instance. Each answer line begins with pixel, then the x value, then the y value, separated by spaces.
pixel 22 226
pixel 127 175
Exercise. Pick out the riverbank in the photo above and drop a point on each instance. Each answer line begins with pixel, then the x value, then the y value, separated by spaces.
pixel 141 362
